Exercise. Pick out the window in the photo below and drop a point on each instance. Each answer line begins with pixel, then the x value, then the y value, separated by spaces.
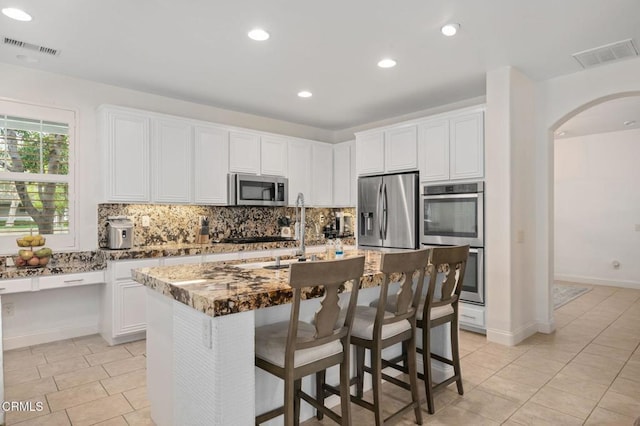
pixel 36 174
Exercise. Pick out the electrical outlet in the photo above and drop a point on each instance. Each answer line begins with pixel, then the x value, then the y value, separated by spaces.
pixel 207 339
pixel 8 309
pixel 146 221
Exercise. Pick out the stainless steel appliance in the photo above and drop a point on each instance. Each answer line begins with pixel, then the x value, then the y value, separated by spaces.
pixel 388 211
pixel 344 224
pixel 253 190
pixel 453 214
pixel 119 232
pixel 473 284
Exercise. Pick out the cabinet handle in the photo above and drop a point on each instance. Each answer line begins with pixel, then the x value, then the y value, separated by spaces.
pixel 79 280
pixel 2 289
pixel 467 316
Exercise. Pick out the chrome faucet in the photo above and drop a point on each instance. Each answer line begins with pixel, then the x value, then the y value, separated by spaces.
pixel 301 225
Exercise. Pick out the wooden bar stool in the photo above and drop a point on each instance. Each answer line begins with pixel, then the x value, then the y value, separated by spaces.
pixel 439 306
pixel 294 349
pixel 375 328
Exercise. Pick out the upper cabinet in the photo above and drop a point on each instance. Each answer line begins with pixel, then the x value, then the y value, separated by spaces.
pixel 299 156
pixel 244 152
pixel 273 154
pixel 322 175
pixel 211 165
pixel 171 153
pixel 452 148
pixel 370 153
pixel 387 151
pixel 127 138
pixel 401 149
pixel 343 174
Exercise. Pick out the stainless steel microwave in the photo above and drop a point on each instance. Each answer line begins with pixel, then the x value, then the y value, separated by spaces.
pixel 253 190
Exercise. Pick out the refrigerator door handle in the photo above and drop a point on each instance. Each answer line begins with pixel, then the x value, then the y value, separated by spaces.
pixel 379 210
pixel 385 218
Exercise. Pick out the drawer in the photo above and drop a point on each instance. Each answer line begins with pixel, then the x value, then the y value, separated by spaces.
pixel 182 260
pixel 71 280
pixel 472 315
pixel 16 286
pixel 122 269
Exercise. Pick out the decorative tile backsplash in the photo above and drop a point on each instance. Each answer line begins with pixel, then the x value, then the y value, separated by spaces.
pixel 178 224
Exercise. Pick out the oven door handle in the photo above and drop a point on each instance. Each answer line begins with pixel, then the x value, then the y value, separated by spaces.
pixel 449 196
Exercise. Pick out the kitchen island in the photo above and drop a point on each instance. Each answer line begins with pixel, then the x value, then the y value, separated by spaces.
pixel 200 337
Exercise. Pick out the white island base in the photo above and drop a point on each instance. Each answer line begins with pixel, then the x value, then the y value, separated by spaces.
pixel 200 370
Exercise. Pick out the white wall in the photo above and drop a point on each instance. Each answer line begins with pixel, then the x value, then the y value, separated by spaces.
pixel 48 315
pixel 510 232
pixel 597 205
pixel 51 89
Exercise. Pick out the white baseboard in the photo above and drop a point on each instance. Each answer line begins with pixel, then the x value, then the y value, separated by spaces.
pixel 46 336
pixel 598 281
pixel 546 327
pixel 512 338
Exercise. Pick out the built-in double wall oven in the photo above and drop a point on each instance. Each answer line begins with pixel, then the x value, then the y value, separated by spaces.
pixel 453 214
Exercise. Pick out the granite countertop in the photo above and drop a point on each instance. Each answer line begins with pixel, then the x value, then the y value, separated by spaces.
pixel 223 288
pixel 87 261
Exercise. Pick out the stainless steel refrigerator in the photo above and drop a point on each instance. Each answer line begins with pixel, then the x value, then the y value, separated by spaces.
pixel 388 211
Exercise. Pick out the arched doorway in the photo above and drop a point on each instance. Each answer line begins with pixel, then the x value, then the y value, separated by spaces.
pixel 600 102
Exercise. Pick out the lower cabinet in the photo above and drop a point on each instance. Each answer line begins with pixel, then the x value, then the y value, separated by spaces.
pixel 471 317
pixel 123 302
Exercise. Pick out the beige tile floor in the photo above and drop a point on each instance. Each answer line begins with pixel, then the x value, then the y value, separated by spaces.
pixel 587 372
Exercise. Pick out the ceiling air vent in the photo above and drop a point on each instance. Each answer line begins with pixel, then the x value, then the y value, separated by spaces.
pixel 607 53
pixel 30 46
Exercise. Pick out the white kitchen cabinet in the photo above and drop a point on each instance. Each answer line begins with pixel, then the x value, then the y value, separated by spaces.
pixel 401 149
pixel 321 174
pixel 299 159
pixel 19 285
pixel 452 148
pixel 244 152
pixel 273 156
pixel 172 153
pixel 434 150
pixel 126 138
pixel 472 317
pixel 70 280
pixel 343 175
pixel 370 153
pixel 467 147
pixel 211 165
pixel 123 302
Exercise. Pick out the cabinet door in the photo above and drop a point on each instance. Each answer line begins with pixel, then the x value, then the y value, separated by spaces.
pixel 433 150
pixel 401 148
pixel 172 153
pixel 273 157
pixel 467 147
pixel 299 175
pixel 244 153
pixel 370 153
pixel 322 174
pixel 342 174
pixel 211 165
pixel 127 140
pixel 129 308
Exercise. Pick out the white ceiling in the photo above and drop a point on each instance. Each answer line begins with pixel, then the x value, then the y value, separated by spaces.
pixel 198 50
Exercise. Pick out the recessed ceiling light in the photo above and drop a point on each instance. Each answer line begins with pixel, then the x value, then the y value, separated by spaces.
pixel 561 133
pixel 305 94
pixel 387 63
pixel 629 122
pixel 17 14
pixel 450 29
pixel 258 34
pixel 28 59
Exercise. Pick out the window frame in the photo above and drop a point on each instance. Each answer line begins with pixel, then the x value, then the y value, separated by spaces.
pixel 22 109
